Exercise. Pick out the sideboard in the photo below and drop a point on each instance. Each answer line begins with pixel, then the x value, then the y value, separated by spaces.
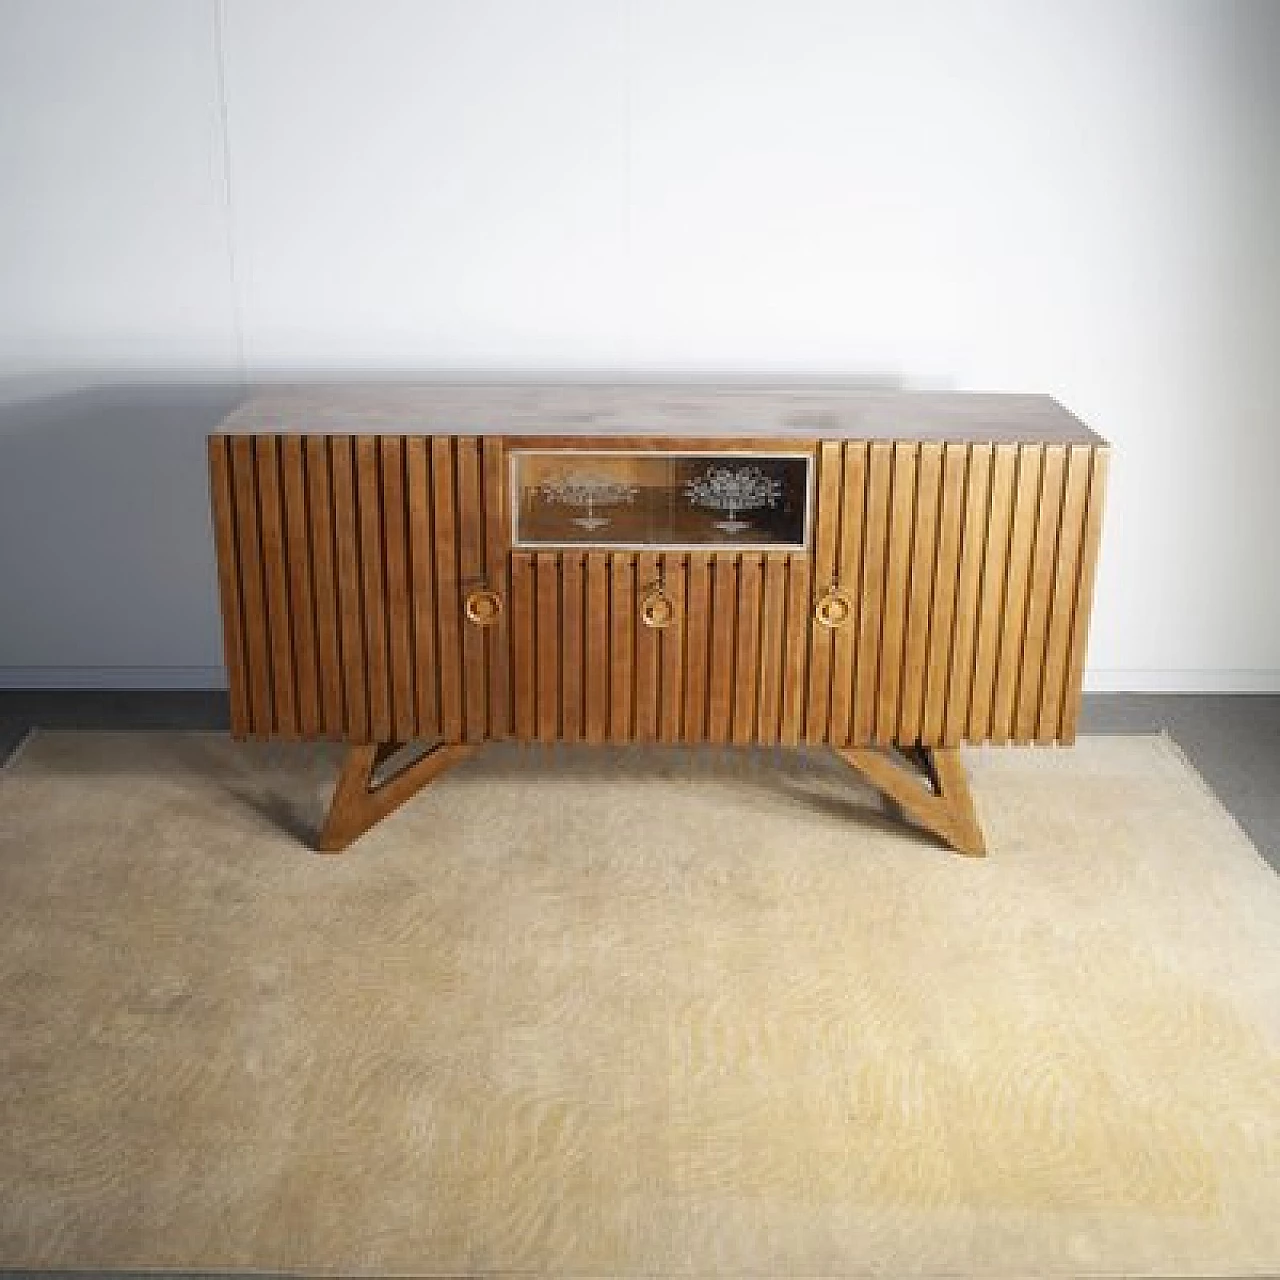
pixel 889 574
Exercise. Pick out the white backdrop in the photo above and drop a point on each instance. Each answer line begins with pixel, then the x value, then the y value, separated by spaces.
pixel 1072 197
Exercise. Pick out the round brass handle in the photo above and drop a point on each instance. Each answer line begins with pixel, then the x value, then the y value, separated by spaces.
pixel 483 607
pixel 834 608
pixel 657 609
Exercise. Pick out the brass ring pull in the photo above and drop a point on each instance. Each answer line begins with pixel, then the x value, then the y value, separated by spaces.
pixel 483 607
pixel 834 608
pixel 657 609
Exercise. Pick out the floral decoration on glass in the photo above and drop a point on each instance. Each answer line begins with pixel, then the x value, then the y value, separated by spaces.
pixel 589 491
pixel 733 490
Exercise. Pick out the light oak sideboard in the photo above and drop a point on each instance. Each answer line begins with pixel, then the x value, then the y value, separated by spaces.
pixel 887 574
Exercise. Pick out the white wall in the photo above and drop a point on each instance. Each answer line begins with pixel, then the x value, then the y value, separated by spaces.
pixel 1072 197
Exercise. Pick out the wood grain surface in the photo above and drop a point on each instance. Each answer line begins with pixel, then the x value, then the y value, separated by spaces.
pixel 644 412
pixel 344 564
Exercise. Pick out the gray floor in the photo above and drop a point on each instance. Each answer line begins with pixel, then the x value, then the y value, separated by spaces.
pixel 1234 740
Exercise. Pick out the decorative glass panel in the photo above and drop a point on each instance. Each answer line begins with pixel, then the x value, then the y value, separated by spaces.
pixel 624 499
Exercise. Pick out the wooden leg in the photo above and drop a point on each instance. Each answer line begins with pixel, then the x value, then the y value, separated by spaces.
pixel 359 802
pixel 937 797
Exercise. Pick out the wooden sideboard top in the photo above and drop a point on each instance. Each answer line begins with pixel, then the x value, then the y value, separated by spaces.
pixel 802 411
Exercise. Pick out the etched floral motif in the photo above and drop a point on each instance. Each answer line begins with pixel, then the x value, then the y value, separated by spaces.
pixel 590 491
pixel 732 490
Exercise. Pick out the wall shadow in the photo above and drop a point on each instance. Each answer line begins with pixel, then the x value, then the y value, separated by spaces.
pixel 107 574
pixel 106 556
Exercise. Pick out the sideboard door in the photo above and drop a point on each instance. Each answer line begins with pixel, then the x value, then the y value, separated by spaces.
pixel 959 579
pixel 670 646
pixel 469 537
pixel 345 567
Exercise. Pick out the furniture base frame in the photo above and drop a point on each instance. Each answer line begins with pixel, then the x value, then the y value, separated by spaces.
pixel 361 799
pixel 934 794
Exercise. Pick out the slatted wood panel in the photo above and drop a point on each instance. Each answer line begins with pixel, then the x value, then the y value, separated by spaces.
pixel 1082 601
pixel 343 562
pixel 547 645
pixel 318 536
pixel 853 515
pixel 919 617
pixel 572 584
pixel 971 567
pixel 946 586
pixel 826 539
pixel 497 535
pixel 226 534
pixel 585 662
pixel 648 655
pixel 472 575
pixel 673 650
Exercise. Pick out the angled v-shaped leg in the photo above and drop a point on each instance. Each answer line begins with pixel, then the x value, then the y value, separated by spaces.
pixel 359 802
pixel 936 797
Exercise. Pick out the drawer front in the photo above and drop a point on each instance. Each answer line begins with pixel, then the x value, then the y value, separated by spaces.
pixel 344 565
pixel 593 661
pixel 966 573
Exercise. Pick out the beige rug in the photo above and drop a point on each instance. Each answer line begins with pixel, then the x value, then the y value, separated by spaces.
pixel 624 1014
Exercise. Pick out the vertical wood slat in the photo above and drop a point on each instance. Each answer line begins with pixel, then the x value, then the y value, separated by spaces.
pixel 720 659
pixel 596 661
pixel 871 596
pixel 673 643
pixel 373 586
pixel 945 587
pixel 968 598
pixel 1017 583
pixel 849 562
pixel 773 620
pixel 404 717
pixel 1084 594
pixel 826 540
pixel 324 584
pixel 547 644
pixel 297 554
pixel 422 574
pixel 1062 606
pixel 796 654
pixel 524 681
pixel 622 628
pixel 572 673
pixel 897 584
pixel 697 647
pixel 350 604
pixel 471 576
pixel 448 595
pixel 647 676
pixel 746 662
pixel 252 588
pixel 497 534
pixel 276 577
pixel 924 539
pixel 994 562
pixel 1040 590
pixel 222 503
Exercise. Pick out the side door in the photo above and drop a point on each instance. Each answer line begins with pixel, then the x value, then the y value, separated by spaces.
pixel 962 574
